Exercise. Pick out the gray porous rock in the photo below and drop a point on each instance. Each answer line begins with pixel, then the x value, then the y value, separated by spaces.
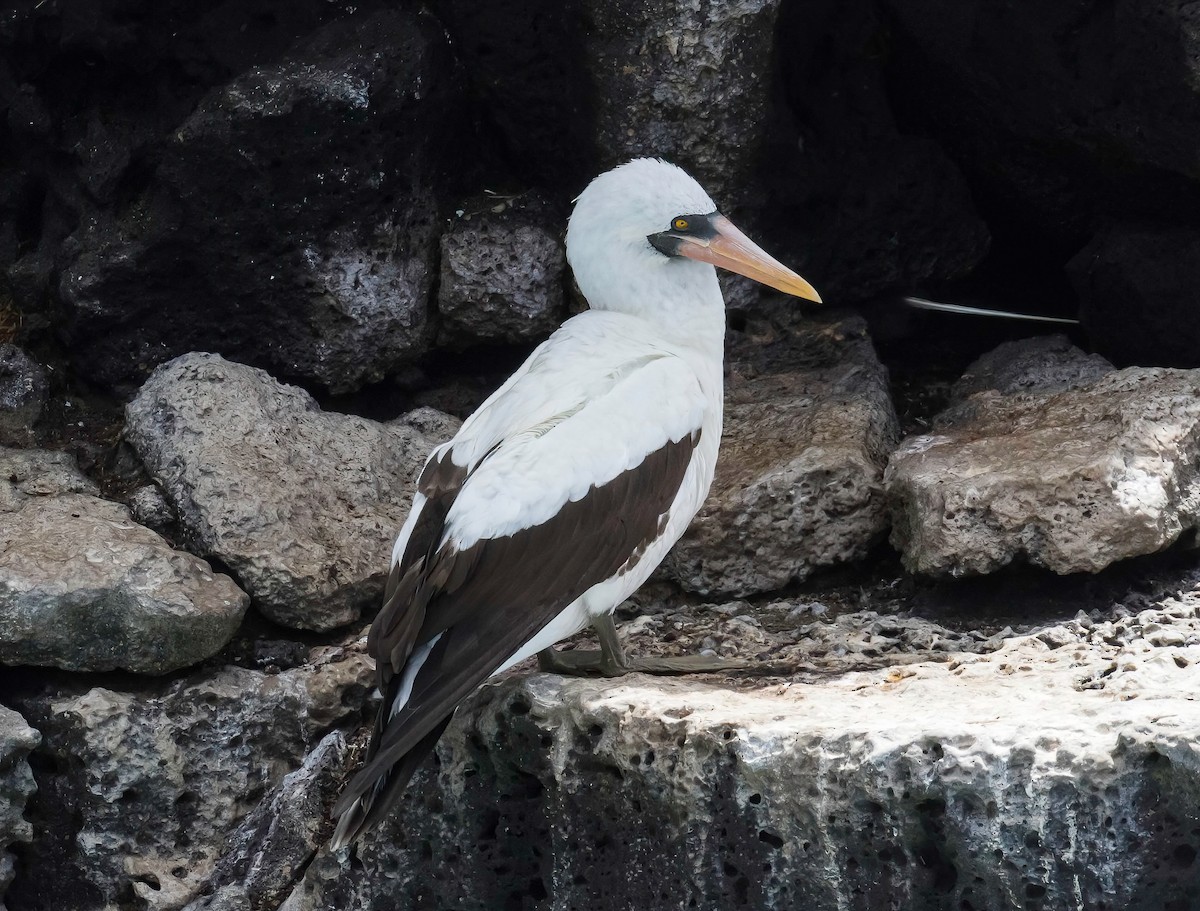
pixel 144 789
pixel 312 178
pixel 502 273
pixel 1072 481
pixel 686 82
pixel 85 588
pixel 150 507
pixel 23 391
pixel 809 424
pixel 1046 363
pixel 300 504
pixel 268 852
pixel 1069 754
pixel 1137 290
pixel 17 740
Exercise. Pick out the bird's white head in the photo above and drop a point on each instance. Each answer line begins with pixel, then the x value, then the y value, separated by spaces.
pixel 644 237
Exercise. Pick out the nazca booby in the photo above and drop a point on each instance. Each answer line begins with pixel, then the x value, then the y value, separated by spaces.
pixel 562 493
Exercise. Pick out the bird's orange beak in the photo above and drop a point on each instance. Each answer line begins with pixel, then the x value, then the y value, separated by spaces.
pixel 730 249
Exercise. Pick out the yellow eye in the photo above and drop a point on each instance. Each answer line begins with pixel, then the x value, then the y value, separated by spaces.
pixel 680 224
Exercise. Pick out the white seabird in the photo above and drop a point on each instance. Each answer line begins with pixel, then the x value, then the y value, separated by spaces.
pixel 563 492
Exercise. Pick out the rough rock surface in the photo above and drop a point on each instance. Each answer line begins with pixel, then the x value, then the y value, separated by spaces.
pixel 311 180
pixel 84 587
pixel 502 275
pixel 1137 289
pixel 268 853
pixel 141 789
pixel 1072 481
pixel 685 82
pixel 577 88
pixel 22 395
pixel 17 739
pixel 809 424
pixel 1046 363
pixel 1068 753
pixel 151 508
pixel 301 505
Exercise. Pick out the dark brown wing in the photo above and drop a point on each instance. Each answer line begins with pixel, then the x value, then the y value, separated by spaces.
pixel 395 631
pixel 483 603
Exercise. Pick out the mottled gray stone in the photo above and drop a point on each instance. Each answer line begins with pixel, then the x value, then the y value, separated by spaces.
pixel 686 82
pixel 84 587
pixel 32 474
pixel 150 507
pixel 891 788
pixel 144 789
pixel 1046 363
pixel 502 273
pixel 17 740
pixel 301 505
pixel 1072 481
pixel 23 391
pixel 809 424
pixel 267 853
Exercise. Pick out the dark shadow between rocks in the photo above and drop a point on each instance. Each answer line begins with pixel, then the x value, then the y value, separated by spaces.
pixel 1025 597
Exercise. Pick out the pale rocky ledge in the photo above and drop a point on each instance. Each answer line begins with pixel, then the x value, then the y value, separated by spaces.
pixel 1052 770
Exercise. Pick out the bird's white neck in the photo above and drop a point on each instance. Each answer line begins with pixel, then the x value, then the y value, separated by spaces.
pixel 680 298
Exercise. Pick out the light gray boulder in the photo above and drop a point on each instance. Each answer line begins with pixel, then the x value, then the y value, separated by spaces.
pixel 1058 768
pixel 17 740
pixel 300 504
pixel 1072 481
pixel 809 424
pixel 144 788
pixel 83 587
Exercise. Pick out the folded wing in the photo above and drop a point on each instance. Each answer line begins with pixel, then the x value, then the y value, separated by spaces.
pixel 514 520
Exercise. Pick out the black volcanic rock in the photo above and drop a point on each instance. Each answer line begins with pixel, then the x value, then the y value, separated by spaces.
pixel 23 389
pixel 1138 289
pixel 685 82
pixel 291 222
pixel 1060 112
pixel 576 88
pixel 502 272
pixel 526 63
pixel 860 206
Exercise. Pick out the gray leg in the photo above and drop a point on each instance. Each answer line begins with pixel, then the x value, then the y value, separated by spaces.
pixel 611 660
pixel 574 663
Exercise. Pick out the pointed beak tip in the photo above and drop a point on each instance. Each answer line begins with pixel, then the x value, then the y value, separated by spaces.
pixel 731 249
pixel 799 287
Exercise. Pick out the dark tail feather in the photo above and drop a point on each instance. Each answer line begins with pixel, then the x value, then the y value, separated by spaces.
pixel 368 810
